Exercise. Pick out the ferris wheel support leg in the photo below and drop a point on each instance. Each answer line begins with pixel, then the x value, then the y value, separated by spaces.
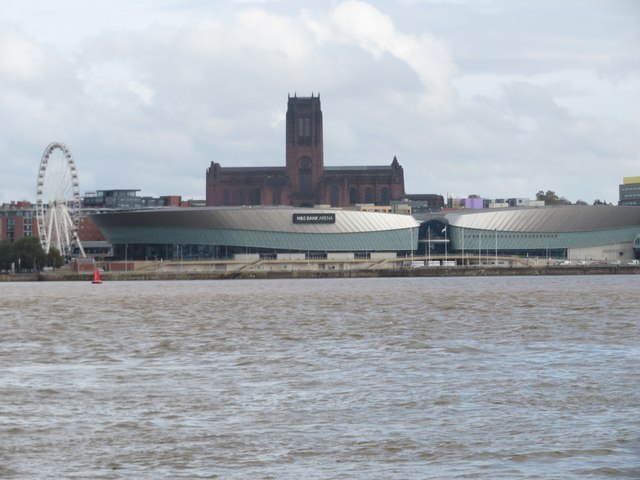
pixel 49 231
pixel 65 240
pixel 56 226
pixel 81 248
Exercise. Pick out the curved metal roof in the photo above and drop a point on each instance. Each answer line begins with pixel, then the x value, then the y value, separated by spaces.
pixel 265 219
pixel 570 218
pixel 271 228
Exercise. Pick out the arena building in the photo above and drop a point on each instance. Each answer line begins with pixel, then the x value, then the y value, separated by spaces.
pixel 225 232
pixel 574 232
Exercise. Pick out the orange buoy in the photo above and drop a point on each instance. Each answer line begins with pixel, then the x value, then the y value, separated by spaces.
pixel 96 276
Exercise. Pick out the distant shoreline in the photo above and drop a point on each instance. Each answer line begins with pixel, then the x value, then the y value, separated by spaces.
pixel 438 272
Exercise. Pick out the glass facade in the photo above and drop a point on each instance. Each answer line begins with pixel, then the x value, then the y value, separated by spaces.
pixel 630 194
pixel 221 232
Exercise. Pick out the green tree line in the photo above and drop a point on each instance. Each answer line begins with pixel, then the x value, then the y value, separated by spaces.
pixel 27 254
pixel 550 198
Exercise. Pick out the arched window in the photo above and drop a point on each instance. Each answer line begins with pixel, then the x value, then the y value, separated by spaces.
pixel 353 196
pixel 304 173
pixel 334 196
pixel 305 181
pixel 304 130
pixel 384 196
pixel 368 195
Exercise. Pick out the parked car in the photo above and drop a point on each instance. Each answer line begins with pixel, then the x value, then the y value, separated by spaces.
pixel 562 262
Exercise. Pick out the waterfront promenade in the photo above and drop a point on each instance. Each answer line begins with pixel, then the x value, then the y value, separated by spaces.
pixel 206 271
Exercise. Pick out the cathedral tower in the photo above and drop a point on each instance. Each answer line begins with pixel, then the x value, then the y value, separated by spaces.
pixel 304 153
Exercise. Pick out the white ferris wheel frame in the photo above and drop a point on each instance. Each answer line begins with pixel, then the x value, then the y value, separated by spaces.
pixel 58 202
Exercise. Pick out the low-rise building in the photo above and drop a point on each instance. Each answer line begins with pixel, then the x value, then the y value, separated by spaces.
pixel 579 233
pixel 630 191
pixel 512 203
pixel 18 220
pixel 117 199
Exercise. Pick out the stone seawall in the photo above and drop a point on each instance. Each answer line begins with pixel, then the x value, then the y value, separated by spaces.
pixel 354 273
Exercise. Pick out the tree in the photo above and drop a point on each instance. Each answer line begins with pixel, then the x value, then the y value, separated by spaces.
pixel 581 202
pixel 54 259
pixel 550 198
pixel 29 253
pixel 7 256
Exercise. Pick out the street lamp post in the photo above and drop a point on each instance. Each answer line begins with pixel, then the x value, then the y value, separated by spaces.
pixel 445 244
pixel 411 243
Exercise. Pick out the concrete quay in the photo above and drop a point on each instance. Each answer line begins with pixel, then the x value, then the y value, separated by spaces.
pixel 186 272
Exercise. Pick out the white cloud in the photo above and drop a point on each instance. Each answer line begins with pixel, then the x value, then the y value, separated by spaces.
pixel 142 91
pixel 427 56
pixel 21 59
pixel 472 98
pixel 272 33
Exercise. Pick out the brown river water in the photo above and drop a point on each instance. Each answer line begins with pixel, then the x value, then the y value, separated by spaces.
pixel 513 378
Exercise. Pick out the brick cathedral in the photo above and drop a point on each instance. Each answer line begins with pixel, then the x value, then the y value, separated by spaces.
pixel 304 181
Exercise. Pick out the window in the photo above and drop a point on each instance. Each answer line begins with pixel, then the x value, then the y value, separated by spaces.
pixel 368 195
pixel 305 181
pixel 225 198
pixel 304 129
pixel 304 172
pixel 276 197
pixel 257 196
pixel 384 196
pixel 334 196
pixel 353 196
pixel 304 163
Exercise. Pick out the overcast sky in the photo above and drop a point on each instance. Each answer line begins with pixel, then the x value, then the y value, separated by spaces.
pixel 499 98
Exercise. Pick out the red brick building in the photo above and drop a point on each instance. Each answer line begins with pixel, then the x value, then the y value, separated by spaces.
pixel 304 180
pixel 88 232
pixel 17 220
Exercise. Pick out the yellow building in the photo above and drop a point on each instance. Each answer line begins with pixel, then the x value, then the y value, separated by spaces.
pixel 630 191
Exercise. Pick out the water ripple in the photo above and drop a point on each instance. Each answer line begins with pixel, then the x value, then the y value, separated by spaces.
pixel 321 379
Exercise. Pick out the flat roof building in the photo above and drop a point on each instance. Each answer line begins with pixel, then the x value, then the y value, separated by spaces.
pixel 575 232
pixel 630 191
pixel 18 220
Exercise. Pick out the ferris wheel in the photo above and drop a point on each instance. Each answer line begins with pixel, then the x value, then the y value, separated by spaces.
pixel 58 201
